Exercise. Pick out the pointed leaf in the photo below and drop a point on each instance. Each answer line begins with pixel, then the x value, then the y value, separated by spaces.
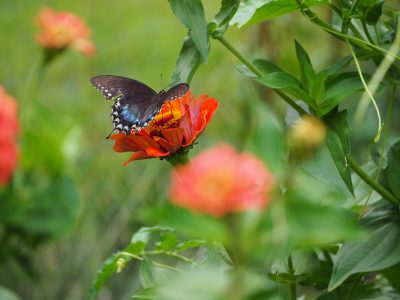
pixel 323 167
pixel 266 66
pixel 307 74
pixel 191 14
pixel 255 11
pixel 145 294
pixel 379 251
pixel 188 61
pixel 287 83
pixel 339 88
pixel 392 172
pixel 109 267
pixel 336 150
pixel 220 24
pixel 146 273
pixel 336 68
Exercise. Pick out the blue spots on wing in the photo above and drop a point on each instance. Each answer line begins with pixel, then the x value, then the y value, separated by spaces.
pixel 128 116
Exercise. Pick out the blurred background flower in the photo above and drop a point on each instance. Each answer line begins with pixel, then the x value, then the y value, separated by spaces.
pixel 220 181
pixel 60 30
pixel 178 124
pixel 8 134
pixel 306 134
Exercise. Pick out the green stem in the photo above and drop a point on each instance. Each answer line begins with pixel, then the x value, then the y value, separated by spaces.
pixel 240 57
pixel 235 239
pixel 347 19
pixel 259 74
pixel 366 31
pixel 371 182
pixel 179 159
pixel 35 75
pixel 292 284
pixel 356 41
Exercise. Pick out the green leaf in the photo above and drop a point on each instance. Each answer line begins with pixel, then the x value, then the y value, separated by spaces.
pixel 379 251
pixel 338 123
pixel 6 294
pixel 287 83
pixel 41 207
pixel 393 275
pixel 145 294
pixel 188 61
pixel 256 11
pixel 109 267
pixel 190 244
pixel 190 224
pixel 336 68
pixel 195 284
pixel 338 143
pixel 338 155
pixel 168 241
pixel 191 14
pixel 339 88
pixel 307 74
pixel 305 211
pixel 323 167
pixel 392 172
pixel 371 10
pixel 146 273
pixel 221 21
pixel 266 66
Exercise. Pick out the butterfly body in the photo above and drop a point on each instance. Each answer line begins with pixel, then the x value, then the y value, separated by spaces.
pixel 135 104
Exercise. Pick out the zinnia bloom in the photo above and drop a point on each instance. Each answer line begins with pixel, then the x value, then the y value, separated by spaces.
pixel 178 124
pixel 8 133
pixel 220 181
pixel 60 30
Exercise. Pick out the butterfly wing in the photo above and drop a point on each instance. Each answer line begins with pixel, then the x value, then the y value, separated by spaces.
pixel 176 91
pixel 135 103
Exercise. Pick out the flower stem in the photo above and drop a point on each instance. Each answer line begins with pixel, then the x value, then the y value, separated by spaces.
pixel 259 74
pixel 371 182
pixel 292 284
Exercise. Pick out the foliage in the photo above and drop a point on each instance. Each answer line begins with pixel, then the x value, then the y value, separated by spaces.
pixel 331 229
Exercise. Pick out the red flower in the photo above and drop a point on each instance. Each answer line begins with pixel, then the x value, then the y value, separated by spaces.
pixel 60 30
pixel 8 133
pixel 178 124
pixel 220 181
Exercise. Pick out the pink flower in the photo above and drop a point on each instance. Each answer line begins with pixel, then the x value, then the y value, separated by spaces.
pixel 8 132
pixel 60 30
pixel 220 181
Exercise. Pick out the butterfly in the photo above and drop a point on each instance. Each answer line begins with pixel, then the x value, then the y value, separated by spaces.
pixel 135 103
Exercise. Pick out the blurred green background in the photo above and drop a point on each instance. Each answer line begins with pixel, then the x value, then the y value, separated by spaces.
pixel 70 119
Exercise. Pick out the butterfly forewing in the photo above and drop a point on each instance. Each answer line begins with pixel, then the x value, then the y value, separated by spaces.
pixel 111 86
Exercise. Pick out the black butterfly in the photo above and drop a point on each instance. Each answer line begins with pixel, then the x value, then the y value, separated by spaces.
pixel 135 104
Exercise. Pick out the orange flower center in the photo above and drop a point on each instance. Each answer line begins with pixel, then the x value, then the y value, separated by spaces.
pixel 169 116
